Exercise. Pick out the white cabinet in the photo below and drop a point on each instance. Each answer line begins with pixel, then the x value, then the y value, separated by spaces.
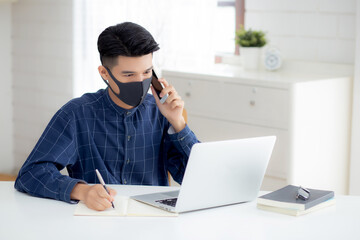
pixel 309 114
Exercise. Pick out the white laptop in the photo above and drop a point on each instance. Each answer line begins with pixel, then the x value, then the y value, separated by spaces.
pixel 217 174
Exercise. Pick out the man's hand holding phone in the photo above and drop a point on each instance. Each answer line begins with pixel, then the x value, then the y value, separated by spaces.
pixel 173 106
pixel 158 86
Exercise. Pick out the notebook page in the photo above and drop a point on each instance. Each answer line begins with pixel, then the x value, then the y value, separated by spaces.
pixel 120 204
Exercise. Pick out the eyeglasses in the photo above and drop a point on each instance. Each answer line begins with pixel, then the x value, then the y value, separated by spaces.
pixel 303 194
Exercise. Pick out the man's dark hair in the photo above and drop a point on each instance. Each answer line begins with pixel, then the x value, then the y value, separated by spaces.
pixel 124 39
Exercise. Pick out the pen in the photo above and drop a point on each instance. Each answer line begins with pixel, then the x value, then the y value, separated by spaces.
pixel 103 183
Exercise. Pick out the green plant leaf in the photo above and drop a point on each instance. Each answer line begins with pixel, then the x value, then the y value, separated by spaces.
pixel 250 38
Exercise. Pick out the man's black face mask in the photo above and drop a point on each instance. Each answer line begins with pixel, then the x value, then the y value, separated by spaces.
pixel 132 93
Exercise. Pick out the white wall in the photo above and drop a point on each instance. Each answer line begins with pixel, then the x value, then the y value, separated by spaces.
pixel 42 68
pixel 6 126
pixel 355 140
pixel 322 30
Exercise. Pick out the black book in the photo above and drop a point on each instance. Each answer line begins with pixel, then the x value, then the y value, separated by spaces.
pixel 286 198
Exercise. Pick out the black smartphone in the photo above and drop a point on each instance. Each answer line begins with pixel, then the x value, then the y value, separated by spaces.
pixel 158 86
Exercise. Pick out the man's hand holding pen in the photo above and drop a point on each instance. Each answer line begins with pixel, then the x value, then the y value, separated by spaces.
pixel 94 196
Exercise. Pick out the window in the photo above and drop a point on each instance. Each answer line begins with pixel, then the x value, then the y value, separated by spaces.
pixel 183 41
pixel 229 17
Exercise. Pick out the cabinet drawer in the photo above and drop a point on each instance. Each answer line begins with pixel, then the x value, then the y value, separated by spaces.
pixel 256 105
pixel 200 97
pixel 235 102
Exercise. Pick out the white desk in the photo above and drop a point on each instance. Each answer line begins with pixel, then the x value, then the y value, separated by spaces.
pixel 26 217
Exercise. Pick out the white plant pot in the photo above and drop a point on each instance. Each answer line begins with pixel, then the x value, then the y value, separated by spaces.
pixel 250 57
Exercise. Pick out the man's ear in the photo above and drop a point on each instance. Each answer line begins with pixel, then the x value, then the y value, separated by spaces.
pixel 103 72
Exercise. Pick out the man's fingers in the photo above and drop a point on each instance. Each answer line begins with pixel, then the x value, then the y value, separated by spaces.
pixel 98 203
pixel 168 90
pixel 101 204
pixel 172 96
pixel 103 194
pixel 112 192
pixel 98 199
pixel 164 82
pixel 174 99
pixel 177 103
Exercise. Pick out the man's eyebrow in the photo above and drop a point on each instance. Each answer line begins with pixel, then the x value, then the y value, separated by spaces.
pixel 149 68
pixel 128 72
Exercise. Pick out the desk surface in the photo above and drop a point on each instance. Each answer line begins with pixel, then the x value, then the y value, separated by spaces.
pixel 26 217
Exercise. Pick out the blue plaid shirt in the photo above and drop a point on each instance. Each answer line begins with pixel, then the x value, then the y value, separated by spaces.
pixel 136 146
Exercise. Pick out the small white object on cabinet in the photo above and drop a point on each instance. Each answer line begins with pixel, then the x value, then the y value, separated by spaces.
pixel 308 112
pixel 272 59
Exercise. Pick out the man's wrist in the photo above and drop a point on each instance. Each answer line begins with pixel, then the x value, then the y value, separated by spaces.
pixel 178 126
pixel 78 192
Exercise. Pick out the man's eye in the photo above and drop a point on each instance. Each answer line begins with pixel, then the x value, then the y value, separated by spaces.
pixel 128 75
pixel 147 72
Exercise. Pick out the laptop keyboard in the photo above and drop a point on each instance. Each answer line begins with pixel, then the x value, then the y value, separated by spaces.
pixel 170 202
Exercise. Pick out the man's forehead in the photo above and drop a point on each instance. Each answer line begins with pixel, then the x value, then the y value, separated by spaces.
pixel 134 64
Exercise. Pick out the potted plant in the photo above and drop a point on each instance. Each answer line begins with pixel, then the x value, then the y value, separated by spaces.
pixel 250 43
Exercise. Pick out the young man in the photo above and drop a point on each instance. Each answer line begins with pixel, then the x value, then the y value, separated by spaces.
pixel 122 131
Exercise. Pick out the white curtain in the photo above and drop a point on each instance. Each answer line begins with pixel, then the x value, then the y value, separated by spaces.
pixel 183 28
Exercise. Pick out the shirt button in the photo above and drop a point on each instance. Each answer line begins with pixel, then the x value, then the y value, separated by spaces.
pixel 128 161
pixel 125 181
pixel 128 113
pixel 181 139
pixel 129 137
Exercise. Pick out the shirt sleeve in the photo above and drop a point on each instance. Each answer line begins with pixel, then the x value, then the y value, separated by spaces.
pixel 180 145
pixel 40 175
